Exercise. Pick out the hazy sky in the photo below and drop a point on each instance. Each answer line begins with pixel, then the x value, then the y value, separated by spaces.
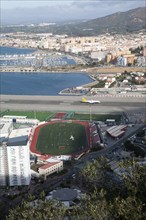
pixel 50 10
pixel 9 4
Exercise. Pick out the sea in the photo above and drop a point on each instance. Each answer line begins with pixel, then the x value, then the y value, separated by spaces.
pixel 13 50
pixel 13 83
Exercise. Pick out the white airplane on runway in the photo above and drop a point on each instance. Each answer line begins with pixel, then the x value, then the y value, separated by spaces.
pixel 90 101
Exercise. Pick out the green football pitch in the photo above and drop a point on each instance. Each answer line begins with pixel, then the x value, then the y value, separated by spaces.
pixel 62 138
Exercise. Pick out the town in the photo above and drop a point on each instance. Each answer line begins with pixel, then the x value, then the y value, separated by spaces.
pixel 121 50
pixel 78 152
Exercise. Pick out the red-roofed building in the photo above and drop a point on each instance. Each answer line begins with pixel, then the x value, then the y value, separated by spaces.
pixel 51 167
pixel 116 131
pixel 44 157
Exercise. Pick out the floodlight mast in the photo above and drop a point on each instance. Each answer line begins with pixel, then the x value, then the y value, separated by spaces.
pixel 90 108
pixel 35 114
pixel 90 111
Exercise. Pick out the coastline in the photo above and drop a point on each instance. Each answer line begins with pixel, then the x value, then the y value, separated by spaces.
pixel 90 71
pixel 79 66
pixel 73 69
pixel 43 83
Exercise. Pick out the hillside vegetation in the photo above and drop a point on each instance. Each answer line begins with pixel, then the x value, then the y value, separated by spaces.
pixel 117 23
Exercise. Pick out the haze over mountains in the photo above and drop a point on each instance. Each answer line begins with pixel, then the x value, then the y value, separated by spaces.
pixel 120 22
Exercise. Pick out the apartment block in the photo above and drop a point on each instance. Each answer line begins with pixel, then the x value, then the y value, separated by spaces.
pixel 15 162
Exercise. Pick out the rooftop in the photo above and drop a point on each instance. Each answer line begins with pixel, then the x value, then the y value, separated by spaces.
pixel 20 132
pixel 46 166
pixel 15 141
pixel 65 194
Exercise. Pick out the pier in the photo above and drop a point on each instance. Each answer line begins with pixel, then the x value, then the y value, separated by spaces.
pixel 17 69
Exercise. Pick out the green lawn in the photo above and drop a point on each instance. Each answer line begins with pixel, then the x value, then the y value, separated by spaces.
pixel 62 138
pixel 44 116
pixel 97 117
pixel 41 116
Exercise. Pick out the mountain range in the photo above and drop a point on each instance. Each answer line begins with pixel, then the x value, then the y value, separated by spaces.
pixel 120 23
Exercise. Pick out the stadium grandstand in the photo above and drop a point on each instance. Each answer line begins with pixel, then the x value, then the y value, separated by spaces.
pixel 95 135
pixel 59 115
pixel 116 131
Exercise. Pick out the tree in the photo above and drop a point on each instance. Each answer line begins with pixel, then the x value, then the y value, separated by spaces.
pixel 122 200
pixel 104 202
pixel 128 208
pixel 132 204
pixel 95 173
pixel 40 210
pixel 95 206
pixel 134 179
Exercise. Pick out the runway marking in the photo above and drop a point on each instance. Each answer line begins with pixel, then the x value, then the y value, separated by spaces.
pixel 120 96
pixel 64 103
pixel 68 101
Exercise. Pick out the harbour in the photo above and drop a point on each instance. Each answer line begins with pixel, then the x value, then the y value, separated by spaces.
pixel 39 83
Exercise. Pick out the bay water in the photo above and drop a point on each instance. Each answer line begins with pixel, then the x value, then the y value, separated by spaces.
pixel 24 83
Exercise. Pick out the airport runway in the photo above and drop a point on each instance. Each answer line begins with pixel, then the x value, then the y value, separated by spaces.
pixel 73 103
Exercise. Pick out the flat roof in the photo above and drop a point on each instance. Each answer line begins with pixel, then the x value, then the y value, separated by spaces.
pixel 110 120
pixel 15 141
pixel 20 132
pixel 4 128
pixel 65 194
pixel 3 139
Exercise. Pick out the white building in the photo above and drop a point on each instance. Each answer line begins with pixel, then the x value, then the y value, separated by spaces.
pixel 122 61
pixel 18 165
pixel 141 61
pixel 14 150
pixel 50 168
pixel 3 165
pixel 5 129
pixel 15 162
pixel 98 55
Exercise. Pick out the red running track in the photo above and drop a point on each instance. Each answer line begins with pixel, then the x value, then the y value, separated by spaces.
pixel 36 133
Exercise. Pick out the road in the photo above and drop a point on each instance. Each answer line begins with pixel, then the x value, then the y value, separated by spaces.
pixel 115 103
pixel 105 152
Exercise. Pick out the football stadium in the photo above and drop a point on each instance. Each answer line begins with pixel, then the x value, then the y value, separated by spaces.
pixel 61 137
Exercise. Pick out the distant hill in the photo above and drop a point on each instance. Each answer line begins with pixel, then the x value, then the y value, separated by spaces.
pixel 121 23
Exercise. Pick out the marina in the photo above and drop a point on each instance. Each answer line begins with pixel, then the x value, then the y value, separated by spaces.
pixel 36 59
